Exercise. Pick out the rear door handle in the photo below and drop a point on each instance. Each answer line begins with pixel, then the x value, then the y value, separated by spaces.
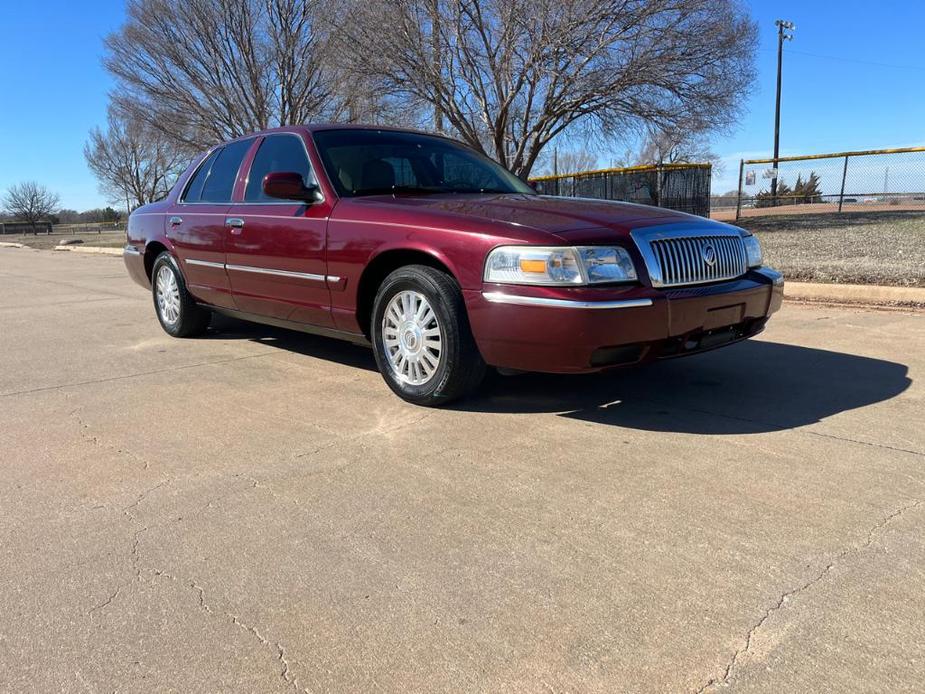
pixel 236 224
pixel 176 221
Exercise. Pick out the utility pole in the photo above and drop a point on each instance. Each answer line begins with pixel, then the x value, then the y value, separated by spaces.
pixel 783 27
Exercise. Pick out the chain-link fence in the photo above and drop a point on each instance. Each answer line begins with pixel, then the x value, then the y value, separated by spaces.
pixel 684 187
pixel 872 180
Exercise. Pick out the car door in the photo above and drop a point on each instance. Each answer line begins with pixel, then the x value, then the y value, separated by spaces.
pixel 275 249
pixel 196 224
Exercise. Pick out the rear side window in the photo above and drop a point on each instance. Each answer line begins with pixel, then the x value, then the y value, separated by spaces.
pixel 277 153
pixel 194 189
pixel 220 182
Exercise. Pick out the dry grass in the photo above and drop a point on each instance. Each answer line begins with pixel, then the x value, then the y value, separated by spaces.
pixel 854 248
pixel 107 239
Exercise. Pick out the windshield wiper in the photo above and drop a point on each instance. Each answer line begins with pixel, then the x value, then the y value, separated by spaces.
pixel 393 190
pixel 479 191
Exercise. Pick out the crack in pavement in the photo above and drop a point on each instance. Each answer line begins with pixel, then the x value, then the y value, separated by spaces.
pixel 133 550
pixel 286 672
pixel 109 379
pixel 127 511
pixel 280 651
pixel 106 602
pixel 787 596
pixel 94 440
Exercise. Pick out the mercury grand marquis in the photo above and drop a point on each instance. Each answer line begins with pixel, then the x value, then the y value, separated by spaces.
pixel 441 259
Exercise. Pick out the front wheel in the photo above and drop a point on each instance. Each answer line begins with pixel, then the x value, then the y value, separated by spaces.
pixel 421 337
pixel 176 309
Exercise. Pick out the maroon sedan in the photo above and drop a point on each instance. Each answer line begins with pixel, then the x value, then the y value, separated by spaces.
pixel 439 257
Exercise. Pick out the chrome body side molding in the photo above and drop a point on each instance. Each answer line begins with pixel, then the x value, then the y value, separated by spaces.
pixel 311 277
pixel 205 263
pixel 503 298
pixel 278 273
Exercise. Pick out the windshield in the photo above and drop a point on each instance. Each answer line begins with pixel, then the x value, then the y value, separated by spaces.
pixel 376 162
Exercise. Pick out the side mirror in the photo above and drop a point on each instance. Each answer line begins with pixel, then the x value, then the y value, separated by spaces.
pixel 288 185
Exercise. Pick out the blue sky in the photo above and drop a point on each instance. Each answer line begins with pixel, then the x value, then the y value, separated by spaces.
pixel 852 80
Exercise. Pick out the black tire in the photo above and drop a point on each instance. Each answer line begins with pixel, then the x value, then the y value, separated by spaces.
pixel 460 369
pixel 191 318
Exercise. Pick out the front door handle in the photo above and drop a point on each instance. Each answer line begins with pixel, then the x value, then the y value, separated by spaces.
pixel 176 221
pixel 236 224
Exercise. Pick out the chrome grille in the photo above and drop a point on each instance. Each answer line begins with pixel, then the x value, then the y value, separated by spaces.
pixel 684 258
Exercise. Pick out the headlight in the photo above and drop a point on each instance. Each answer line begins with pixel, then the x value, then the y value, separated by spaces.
pixel 604 264
pixel 752 251
pixel 559 266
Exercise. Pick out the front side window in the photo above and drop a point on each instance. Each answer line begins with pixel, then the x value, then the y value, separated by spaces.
pixel 374 162
pixel 224 170
pixel 277 153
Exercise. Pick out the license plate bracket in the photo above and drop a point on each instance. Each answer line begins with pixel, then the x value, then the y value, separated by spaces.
pixel 723 316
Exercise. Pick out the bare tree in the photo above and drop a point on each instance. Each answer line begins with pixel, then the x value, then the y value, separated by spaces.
pixel 133 163
pixel 565 161
pixel 203 71
pixel 510 75
pixel 675 146
pixel 30 202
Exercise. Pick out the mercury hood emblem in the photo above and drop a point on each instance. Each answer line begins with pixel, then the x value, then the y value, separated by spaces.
pixel 709 254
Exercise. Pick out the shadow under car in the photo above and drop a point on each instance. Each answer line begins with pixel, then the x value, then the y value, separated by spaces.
pixel 749 387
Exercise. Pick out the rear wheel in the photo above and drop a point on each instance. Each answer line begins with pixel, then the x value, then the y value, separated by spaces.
pixel 421 337
pixel 177 311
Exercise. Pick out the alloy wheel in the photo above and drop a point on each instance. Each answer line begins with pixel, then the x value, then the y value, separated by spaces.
pixel 168 295
pixel 412 338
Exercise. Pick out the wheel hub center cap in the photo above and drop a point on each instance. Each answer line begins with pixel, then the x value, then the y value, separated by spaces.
pixel 411 338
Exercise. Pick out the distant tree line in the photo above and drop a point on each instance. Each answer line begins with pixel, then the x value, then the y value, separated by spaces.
pixel 508 77
pixel 106 215
pixel 33 203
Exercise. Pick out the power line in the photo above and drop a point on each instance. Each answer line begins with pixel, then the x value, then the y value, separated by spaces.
pixel 853 60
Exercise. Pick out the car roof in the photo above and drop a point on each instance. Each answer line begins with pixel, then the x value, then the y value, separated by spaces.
pixel 318 127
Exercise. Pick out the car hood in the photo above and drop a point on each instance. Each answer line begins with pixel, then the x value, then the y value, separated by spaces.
pixel 573 220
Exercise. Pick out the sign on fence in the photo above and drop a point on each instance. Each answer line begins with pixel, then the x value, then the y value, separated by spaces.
pixel 871 180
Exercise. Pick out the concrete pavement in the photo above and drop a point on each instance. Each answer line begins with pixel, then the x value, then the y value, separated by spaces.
pixel 255 511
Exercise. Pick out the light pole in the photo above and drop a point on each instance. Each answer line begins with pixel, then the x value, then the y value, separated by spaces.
pixel 783 27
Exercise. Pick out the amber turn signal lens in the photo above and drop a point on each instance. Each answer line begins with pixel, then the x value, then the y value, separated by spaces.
pixel 527 265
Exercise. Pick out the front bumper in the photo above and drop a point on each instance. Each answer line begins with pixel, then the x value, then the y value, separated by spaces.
pixel 585 329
